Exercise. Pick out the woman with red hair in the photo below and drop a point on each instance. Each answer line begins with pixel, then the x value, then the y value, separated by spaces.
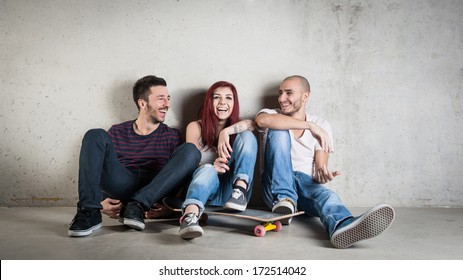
pixel 228 155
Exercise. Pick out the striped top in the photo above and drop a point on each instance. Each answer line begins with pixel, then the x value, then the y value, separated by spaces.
pixel 147 152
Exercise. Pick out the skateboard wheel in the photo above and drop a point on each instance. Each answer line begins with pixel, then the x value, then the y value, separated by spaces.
pixel 259 231
pixel 278 226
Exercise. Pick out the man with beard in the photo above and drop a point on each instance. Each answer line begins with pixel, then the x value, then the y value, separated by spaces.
pixel 125 171
pixel 296 149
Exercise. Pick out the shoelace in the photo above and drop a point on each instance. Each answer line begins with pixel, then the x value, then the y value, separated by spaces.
pixel 191 218
pixel 237 194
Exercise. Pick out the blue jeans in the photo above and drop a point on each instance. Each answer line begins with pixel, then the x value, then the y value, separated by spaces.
pixel 208 187
pixel 279 181
pixel 102 175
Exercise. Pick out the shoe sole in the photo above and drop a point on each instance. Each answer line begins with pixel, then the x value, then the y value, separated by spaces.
pixel 371 224
pixel 132 223
pixel 235 207
pixel 81 233
pixel 284 211
pixel 191 232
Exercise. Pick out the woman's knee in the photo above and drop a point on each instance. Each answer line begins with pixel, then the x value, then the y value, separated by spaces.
pixel 246 140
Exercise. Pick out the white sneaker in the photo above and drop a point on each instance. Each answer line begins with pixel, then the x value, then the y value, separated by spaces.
pixel 284 207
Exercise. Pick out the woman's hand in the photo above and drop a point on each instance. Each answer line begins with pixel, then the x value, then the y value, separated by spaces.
pixel 223 145
pixel 220 165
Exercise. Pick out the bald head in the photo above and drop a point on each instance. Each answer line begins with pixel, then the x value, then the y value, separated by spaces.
pixel 302 81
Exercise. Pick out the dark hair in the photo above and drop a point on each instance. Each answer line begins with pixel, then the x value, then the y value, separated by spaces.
pixel 209 120
pixel 142 87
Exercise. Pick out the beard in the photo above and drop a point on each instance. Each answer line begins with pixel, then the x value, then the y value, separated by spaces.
pixel 153 115
pixel 296 107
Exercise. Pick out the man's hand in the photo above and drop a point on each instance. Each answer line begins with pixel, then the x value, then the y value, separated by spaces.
pixel 322 137
pixel 158 211
pixel 321 175
pixel 220 165
pixel 111 207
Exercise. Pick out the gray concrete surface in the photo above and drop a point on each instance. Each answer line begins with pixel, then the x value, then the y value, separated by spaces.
pixel 41 233
pixel 386 74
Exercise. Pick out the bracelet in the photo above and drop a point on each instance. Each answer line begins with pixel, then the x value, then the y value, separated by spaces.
pixel 308 123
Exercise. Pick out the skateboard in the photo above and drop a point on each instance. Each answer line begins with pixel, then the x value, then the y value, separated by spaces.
pixel 268 221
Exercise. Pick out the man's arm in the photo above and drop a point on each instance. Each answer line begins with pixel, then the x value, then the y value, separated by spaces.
pixel 282 122
pixel 321 174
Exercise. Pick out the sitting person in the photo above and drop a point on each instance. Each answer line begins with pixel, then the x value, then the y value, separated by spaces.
pixel 124 171
pixel 296 166
pixel 228 154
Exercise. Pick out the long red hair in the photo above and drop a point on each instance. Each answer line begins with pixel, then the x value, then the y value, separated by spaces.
pixel 209 121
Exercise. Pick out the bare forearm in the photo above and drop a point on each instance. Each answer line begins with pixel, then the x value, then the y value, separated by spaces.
pixel 240 127
pixel 280 122
pixel 321 159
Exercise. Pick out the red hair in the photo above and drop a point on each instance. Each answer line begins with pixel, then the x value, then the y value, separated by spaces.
pixel 209 121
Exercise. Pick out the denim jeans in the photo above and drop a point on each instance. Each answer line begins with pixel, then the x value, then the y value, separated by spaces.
pixel 101 174
pixel 279 181
pixel 208 187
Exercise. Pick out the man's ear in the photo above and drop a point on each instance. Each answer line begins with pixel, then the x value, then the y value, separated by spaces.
pixel 141 104
pixel 305 95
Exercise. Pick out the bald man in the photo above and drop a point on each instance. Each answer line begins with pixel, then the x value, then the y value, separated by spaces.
pixel 295 167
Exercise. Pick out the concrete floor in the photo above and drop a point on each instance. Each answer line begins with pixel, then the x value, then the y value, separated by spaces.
pixel 41 233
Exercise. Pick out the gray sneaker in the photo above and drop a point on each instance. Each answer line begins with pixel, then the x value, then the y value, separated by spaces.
pixel 189 227
pixel 370 224
pixel 237 201
pixel 284 207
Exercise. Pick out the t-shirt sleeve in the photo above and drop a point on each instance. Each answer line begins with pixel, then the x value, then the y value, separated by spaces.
pixel 266 111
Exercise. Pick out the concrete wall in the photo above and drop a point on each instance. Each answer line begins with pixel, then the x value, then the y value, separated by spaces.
pixel 388 75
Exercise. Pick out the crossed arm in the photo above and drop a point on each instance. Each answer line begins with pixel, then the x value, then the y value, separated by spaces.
pixel 320 174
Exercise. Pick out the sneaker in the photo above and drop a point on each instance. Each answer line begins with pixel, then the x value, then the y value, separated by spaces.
pixel 370 224
pixel 132 215
pixel 85 222
pixel 237 201
pixel 284 207
pixel 189 227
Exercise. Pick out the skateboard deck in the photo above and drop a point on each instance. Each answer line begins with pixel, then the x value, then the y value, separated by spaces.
pixel 269 221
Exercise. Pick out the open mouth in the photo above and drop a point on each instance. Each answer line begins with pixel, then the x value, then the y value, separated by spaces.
pixel 283 106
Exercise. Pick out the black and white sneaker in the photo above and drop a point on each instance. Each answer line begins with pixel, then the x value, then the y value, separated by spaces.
pixel 285 207
pixel 85 222
pixel 237 201
pixel 132 215
pixel 189 227
pixel 370 224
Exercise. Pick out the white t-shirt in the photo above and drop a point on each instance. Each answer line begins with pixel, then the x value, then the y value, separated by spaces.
pixel 303 148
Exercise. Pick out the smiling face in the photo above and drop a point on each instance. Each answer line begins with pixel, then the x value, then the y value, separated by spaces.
pixel 292 97
pixel 158 104
pixel 223 102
